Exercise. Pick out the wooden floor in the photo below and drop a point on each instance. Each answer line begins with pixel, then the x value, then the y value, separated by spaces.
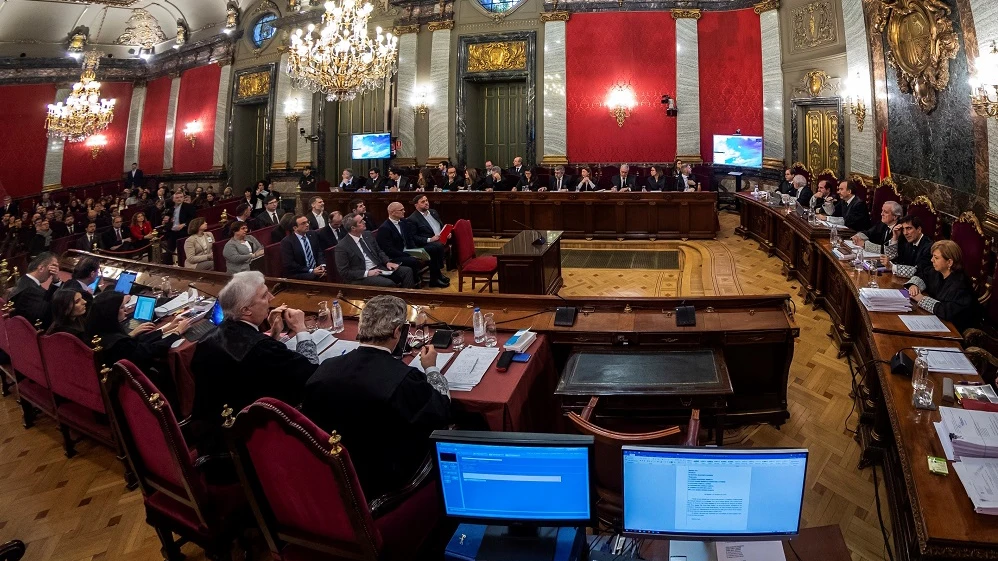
pixel 78 510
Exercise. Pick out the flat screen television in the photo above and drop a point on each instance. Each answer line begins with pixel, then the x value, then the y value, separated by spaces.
pixel 374 146
pixel 737 150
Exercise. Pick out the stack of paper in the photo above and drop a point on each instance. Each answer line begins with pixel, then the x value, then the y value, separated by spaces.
pixel 884 300
pixel 948 360
pixel 339 348
pixel 442 360
pixel 467 369
pixel 520 341
pixel 968 434
pixel 980 479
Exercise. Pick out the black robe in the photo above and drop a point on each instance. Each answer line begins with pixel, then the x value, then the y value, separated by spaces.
pixel 956 299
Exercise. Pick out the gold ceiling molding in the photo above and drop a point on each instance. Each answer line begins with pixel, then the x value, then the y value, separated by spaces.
pixel 554 16
pixel 686 14
pixel 766 5
pixel 813 25
pixel 813 84
pixel 141 30
pixel 492 57
pixel 253 84
pixel 439 25
pixel 920 45
pixel 400 30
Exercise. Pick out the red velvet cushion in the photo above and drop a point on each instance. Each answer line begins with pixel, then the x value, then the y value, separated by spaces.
pixel 71 370
pixel 927 217
pixel 973 245
pixel 27 360
pixel 404 528
pixel 36 395
pixel 484 264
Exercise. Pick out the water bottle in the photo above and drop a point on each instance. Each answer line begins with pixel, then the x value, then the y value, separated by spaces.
pixel 478 321
pixel 337 317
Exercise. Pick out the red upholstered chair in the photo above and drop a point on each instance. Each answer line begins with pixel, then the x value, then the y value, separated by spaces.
pixel 272 263
pixel 33 387
pixel 799 168
pixel 863 191
pixel 468 265
pixel 73 378
pixel 6 370
pixel 216 254
pixel 923 208
pixel 968 235
pixel 181 251
pixel 177 498
pixel 332 274
pixel 886 191
pixel 323 186
pixel 307 499
pixel 263 234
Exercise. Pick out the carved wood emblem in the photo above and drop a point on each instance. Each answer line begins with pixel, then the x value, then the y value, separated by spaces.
pixel 813 25
pixel 492 57
pixel 141 30
pixel 813 83
pixel 253 84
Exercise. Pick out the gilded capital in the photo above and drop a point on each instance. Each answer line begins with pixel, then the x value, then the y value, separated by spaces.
pixel 686 14
pixel 554 16
pixel 439 25
pixel 405 29
pixel 766 5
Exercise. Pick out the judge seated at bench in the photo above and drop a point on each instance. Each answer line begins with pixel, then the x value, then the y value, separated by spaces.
pixel 559 181
pixel 877 237
pixel 909 253
pixel 851 210
pixel 655 181
pixel 528 181
pixel 786 184
pixel 800 191
pixel 822 201
pixel 622 181
pixel 945 290
pixel 586 182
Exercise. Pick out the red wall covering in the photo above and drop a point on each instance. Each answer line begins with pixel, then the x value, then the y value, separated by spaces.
pixel 23 141
pixel 153 134
pixel 730 76
pixel 638 48
pixel 198 100
pixel 78 164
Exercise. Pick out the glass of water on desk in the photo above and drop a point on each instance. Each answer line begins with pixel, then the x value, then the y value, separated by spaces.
pixel 491 339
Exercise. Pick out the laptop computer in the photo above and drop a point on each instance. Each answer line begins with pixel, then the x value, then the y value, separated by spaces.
pixel 125 282
pixel 144 312
pixel 213 319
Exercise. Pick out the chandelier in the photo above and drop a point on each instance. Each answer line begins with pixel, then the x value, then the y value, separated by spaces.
pixel 340 59
pixel 84 113
pixel 984 84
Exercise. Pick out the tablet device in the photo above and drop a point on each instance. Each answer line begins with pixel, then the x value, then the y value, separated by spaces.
pixel 125 281
pixel 144 308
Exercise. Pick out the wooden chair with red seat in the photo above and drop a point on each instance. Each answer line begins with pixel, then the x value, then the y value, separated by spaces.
pixel 967 233
pixel 33 388
pixel 320 512
pixel 886 191
pixel 177 497
pixel 923 208
pixel 6 370
pixel 609 468
pixel 798 168
pixel 468 265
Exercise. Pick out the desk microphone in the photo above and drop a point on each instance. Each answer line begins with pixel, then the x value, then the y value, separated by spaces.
pixel 903 365
pixel 539 240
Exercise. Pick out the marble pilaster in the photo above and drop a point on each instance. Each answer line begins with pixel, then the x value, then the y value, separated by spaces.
pixel 986 28
pixel 406 84
pixel 171 125
pixel 134 126
pixel 221 118
pixel 555 139
pixel 687 89
pixel 300 150
pixel 281 125
pixel 52 176
pixel 773 143
pixel 439 117
pixel 862 145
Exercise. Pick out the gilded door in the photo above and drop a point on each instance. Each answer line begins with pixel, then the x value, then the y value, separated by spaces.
pixel 503 107
pixel 821 138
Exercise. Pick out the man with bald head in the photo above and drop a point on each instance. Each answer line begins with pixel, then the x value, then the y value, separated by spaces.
pixel 395 236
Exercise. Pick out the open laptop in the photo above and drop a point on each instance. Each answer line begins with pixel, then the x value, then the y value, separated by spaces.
pixel 126 280
pixel 204 328
pixel 144 312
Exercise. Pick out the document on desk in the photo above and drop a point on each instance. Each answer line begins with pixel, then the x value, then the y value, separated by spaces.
pixel 972 434
pixel 945 360
pixel 980 479
pixel 750 551
pixel 339 348
pixel 468 368
pixel 442 360
pixel 924 323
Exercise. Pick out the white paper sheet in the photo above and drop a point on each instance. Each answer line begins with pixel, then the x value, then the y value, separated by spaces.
pixel 924 324
pixel 750 551
pixel 469 367
pixel 945 360
pixel 339 348
pixel 980 479
pixel 944 440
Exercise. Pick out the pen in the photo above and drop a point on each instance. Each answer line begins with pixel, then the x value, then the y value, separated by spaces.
pixel 343 352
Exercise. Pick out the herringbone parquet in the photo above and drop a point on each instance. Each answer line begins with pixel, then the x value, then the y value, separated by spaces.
pixel 78 509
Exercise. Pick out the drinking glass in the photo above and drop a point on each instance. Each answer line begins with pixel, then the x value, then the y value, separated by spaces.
pixel 458 339
pixel 491 339
pixel 922 397
pixel 166 287
pixel 324 321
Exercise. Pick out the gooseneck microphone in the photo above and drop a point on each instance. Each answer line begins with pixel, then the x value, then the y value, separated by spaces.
pixel 539 240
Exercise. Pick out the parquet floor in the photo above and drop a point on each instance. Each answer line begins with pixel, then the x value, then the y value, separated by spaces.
pixel 78 510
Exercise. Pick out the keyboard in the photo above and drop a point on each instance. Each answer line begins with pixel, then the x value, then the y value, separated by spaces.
pixel 199 331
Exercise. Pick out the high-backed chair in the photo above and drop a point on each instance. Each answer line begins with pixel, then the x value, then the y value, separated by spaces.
pixel 177 498
pixel 216 254
pixel 75 386
pixel 332 274
pixel 33 387
pixel 798 168
pixel 6 370
pixel 886 191
pixel 468 265
pixel 862 190
pixel 307 499
pixel 967 233
pixel 923 208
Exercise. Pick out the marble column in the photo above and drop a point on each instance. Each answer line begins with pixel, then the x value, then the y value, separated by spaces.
pixel 134 126
pixel 283 95
pixel 440 77
pixel 221 118
pixel 986 27
pixel 171 124
pixel 862 145
pixel 52 176
pixel 555 138
pixel 773 144
pixel 405 87
pixel 687 86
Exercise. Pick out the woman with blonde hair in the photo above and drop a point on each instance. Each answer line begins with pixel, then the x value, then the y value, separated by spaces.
pixel 198 246
pixel 945 290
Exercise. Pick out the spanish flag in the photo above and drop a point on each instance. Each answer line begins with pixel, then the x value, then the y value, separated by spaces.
pixel 885 162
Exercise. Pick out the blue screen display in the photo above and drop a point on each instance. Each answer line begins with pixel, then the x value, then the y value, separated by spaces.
pixel 144 308
pixel 745 151
pixel 713 492
pixel 215 315
pixel 125 281
pixel 514 482
pixel 372 146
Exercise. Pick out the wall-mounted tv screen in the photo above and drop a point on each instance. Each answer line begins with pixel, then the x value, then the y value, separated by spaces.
pixel 372 146
pixel 737 150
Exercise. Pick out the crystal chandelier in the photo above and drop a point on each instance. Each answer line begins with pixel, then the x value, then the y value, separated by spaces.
pixel 84 113
pixel 339 59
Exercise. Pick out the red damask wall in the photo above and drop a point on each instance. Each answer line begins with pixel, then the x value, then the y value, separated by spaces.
pixel 23 140
pixel 198 100
pixel 153 135
pixel 730 76
pixel 602 49
pixel 79 165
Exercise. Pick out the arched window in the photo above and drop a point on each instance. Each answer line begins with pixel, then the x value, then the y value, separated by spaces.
pixel 263 29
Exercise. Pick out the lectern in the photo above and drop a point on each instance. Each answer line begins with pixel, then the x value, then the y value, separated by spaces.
pixel 526 267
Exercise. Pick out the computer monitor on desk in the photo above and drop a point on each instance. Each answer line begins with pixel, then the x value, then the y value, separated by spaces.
pixel 712 494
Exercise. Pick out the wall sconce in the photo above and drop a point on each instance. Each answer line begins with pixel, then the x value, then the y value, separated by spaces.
pixel 421 101
pixel 985 78
pixel 292 109
pixel 192 130
pixel 96 143
pixel 855 100
pixel 620 101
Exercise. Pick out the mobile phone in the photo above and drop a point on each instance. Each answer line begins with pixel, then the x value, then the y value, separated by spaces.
pixel 521 357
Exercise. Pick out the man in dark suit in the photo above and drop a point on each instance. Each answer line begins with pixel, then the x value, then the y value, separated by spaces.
pixel 911 254
pixel 85 273
pixel 494 180
pixel 394 237
pixel 398 181
pixel 426 232
pixel 88 239
pixel 318 217
pixel 58 227
pixel 9 207
pixel 359 259
pixel 518 168
pixel 176 217
pixel 333 232
pixel 272 213
pixel 134 178
pixel 559 181
pixel 42 239
pixel 800 190
pixel 375 181
pixel 301 253
pixel 451 181
pixel 348 182
pixel 31 301
pixel 851 208
pixel 307 182
pixel 383 408
pixel 877 237
pixel 685 180
pixel 358 207
pixel 623 181
pixel 117 238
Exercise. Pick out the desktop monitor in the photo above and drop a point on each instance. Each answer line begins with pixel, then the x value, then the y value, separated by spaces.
pixel 514 478
pixel 713 493
pixel 372 146
pixel 125 281
pixel 145 307
pixel 737 150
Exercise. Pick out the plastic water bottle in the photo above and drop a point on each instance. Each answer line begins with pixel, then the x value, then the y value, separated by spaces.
pixel 337 317
pixel 478 321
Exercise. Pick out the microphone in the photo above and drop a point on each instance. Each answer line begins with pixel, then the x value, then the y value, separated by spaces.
pixel 539 240
pixel 903 365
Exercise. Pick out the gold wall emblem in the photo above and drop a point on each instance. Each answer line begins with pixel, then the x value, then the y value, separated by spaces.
pixel 813 84
pixel 686 14
pixel 920 44
pixel 491 57
pixel 253 84
pixel 814 25
pixel 141 30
